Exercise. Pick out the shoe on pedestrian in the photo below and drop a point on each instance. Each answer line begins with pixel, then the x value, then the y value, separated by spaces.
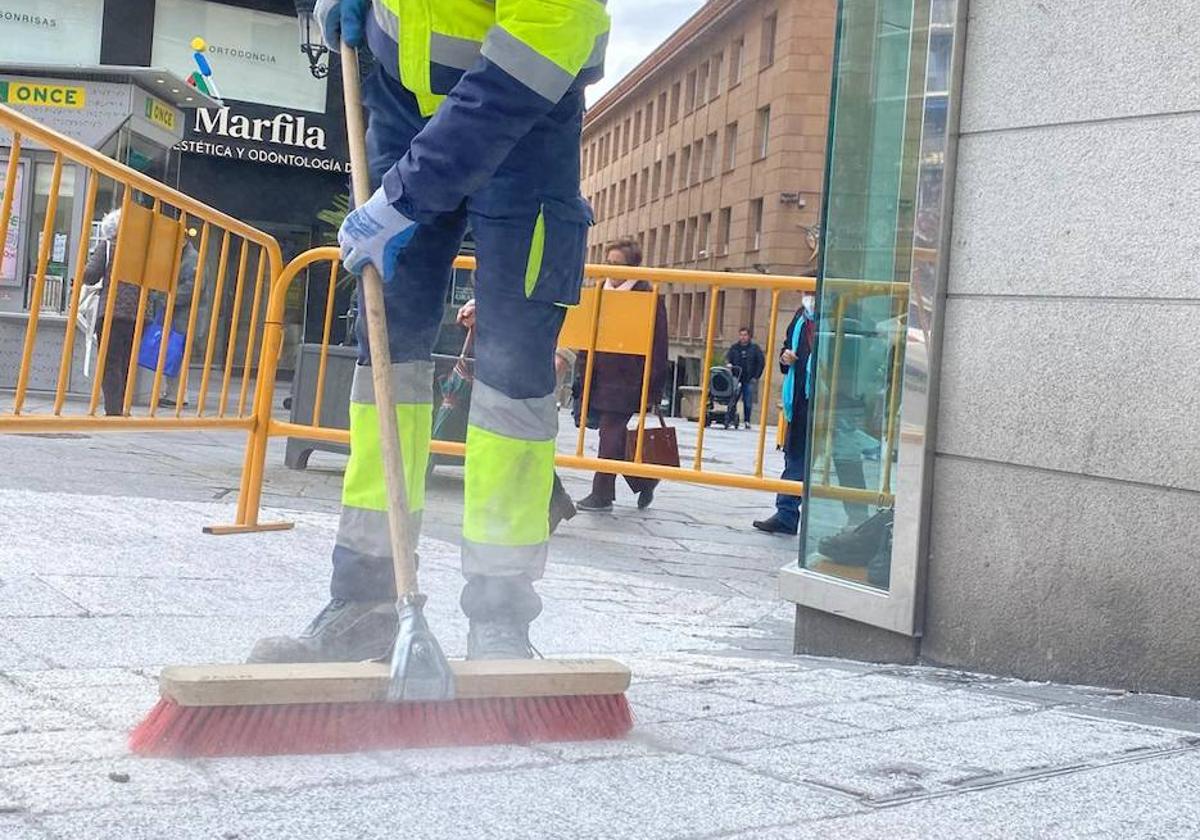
pixel 500 609
pixel 561 506
pixel 774 525
pixel 747 424
pixel 344 631
pixel 645 498
pixel 594 503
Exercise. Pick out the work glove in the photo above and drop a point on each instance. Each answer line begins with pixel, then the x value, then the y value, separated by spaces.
pixel 342 21
pixel 375 233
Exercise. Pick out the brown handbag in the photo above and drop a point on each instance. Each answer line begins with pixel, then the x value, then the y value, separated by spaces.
pixel 660 445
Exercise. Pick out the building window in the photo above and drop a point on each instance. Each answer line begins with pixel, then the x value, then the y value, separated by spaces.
pixel 735 60
pixel 674 103
pixel 651 251
pixel 598 206
pixel 714 84
pixel 633 188
pixel 710 155
pixel 657 186
pixel 702 84
pixel 665 258
pixel 689 93
pixel 724 225
pixel 705 230
pixel 670 178
pixel 679 252
pixel 699 309
pixel 645 182
pixel 642 241
pixel 685 314
pixel 685 166
pixel 762 130
pixel 673 304
pixel 612 200
pixel 768 41
pixel 637 127
pixel 697 160
pixel 625 137
pixel 754 229
pixel 604 151
pixel 689 252
pixel 731 145
pixel 662 113
pixel 649 119
pixel 621 198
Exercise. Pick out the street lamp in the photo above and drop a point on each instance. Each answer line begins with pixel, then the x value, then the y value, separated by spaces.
pixel 311 43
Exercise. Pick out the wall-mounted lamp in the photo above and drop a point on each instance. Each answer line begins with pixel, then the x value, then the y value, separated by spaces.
pixel 311 43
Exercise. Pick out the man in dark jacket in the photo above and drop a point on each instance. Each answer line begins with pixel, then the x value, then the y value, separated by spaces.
pixel 748 362
pixel 798 341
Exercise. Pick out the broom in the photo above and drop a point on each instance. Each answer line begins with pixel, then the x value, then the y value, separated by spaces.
pixel 420 699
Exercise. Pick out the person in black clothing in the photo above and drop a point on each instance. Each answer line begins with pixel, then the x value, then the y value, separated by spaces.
pixel 798 341
pixel 748 361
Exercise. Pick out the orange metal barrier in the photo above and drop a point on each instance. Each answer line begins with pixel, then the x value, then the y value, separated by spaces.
pixel 148 254
pixel 613 322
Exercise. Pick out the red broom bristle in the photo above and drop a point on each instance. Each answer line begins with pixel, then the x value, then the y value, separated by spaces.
pixel 171 730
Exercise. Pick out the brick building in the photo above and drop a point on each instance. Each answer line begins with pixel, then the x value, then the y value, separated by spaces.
pixel 711 153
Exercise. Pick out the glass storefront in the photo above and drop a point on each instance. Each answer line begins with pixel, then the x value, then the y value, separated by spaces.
pixel 893 74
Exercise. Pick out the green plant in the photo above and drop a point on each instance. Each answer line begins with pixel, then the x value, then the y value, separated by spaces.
pixel 333 216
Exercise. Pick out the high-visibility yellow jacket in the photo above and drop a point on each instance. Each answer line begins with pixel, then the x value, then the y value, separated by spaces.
pixel 490 69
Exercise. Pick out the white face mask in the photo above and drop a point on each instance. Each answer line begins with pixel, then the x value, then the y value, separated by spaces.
pixel 809 303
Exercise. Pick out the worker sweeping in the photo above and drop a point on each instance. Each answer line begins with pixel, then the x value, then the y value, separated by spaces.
pixel 474 118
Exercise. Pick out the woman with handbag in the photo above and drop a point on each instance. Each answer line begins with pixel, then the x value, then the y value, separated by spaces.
pixel 617 390
pixel 124 314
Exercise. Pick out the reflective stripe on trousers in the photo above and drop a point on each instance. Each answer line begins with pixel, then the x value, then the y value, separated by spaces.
pixel 509 478
pixel 363 540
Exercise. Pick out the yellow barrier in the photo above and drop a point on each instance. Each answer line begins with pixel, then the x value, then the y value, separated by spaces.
pixel 604 323
pixel 147 255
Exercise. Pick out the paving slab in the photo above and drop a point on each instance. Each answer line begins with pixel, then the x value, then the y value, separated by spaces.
pixel 734 737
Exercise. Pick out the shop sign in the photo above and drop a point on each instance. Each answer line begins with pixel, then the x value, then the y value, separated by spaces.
pixel 44 96
pixel 58 32
pixel 160 114
pixel 254 55
pixel 263 135
pixel 85 111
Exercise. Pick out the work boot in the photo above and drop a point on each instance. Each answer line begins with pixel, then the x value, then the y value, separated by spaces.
pixel 499 609
pixel 856 545
pixel 344 631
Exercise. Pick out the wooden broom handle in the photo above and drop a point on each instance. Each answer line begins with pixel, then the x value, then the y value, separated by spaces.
pixel 377 338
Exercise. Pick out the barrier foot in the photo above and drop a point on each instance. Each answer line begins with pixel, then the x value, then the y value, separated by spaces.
pixel 227 530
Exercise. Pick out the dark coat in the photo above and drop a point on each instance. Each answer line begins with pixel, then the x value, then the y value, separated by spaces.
pixel 99 267
pixel 617 377
pixel 748 359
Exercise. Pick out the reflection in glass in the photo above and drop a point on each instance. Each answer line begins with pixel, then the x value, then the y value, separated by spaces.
pixel 883 205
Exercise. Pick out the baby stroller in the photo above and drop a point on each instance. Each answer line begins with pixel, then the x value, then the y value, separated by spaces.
pixel 724 389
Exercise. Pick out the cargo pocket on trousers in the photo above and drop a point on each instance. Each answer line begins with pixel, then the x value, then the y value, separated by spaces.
pixel 554 271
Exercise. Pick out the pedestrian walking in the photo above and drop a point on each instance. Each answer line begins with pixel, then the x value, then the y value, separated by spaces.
pixel 797 390
pixel 616 392
pixel 98 272
pixel 748 363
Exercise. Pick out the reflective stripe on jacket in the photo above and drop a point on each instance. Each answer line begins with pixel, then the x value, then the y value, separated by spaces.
pixel 490 71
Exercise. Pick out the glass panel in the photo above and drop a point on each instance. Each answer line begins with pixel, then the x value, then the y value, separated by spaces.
pixel 875 144
pixel 54 292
